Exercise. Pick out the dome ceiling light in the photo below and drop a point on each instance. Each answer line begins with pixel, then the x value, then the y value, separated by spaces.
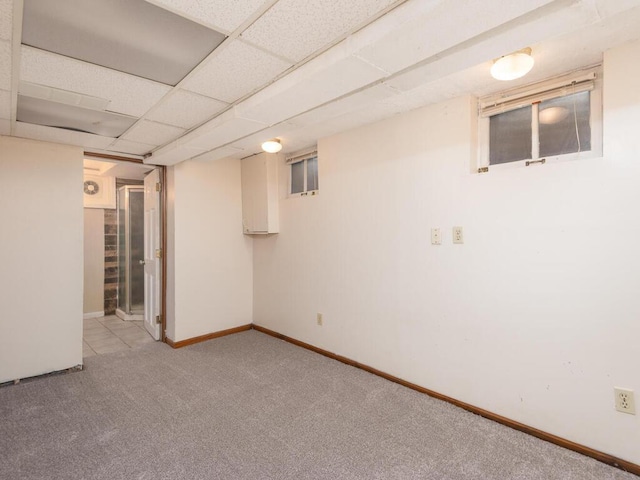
pixel 272 146
pixel 512 66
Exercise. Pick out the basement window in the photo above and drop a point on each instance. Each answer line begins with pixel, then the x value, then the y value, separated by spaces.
pixel 549 121
pixel 303 174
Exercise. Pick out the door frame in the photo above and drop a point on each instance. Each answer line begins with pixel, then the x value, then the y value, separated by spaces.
pixel 163 230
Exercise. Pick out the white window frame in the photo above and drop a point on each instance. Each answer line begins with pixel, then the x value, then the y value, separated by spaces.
pixel 303 158
pixel 589 79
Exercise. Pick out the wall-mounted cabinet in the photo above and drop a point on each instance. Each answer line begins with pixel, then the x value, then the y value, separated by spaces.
pixel 260 193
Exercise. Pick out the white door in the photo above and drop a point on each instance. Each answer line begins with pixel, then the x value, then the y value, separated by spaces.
pixel 152 253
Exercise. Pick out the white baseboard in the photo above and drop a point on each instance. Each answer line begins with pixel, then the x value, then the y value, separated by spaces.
pixel 93 315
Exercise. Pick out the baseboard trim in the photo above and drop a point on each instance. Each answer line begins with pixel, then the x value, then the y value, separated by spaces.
pixel 88 315
pixel 568 444
pixel 208 336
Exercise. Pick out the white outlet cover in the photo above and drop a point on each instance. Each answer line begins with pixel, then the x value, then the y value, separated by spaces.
pixel 624 400
pixel 457 235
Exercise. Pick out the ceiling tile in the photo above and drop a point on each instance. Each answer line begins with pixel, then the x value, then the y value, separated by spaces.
pixel 297 28
pixel 127 94
pixel 234 71
pixel 134 37
pixel 152 133
pixel 5 127
pixel 133 148
pixel 6 19
pixel 5 104
pixel 186 109
pixel 5 65
pixel 59 135
pixel 217 14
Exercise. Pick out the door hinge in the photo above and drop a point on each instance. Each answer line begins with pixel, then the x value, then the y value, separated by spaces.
pixel 158 253
pixel 159 319
pixel 158 187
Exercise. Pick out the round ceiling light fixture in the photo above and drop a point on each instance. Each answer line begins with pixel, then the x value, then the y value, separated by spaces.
pixel 512 66
pixel 272 146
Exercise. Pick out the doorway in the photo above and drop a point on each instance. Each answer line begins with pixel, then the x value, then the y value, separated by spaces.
pixel 117 240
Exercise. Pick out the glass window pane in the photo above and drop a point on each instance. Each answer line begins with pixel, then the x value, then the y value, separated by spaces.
pixel 510 136
pixel 297 177
pixel 312 174
pixel 564 125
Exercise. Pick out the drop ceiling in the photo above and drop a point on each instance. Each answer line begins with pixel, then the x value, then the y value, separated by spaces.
pixel 171 80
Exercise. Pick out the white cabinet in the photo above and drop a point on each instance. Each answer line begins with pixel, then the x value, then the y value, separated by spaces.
pixel 260 193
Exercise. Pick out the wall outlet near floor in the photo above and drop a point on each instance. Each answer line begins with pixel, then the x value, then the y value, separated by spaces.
pixel 319 319
pixel 624 400
pixel 436 236
pixel 457 235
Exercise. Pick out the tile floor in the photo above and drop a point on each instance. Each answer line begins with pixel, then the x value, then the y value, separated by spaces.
pixel 111 334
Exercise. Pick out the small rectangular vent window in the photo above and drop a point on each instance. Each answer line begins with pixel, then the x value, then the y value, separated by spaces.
pixel 546 121
pixel 303 174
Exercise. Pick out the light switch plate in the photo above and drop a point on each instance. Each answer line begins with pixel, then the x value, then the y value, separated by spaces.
pixel 436 236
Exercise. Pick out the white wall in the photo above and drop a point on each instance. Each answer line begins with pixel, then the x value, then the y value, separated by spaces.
pixel 534 318
pixel 41 257
pixel 93 301
pixel 170 324
pixel 212 258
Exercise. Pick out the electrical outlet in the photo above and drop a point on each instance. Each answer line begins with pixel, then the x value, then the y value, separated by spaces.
pixel 624 400
pixel 436 236
pixel 457 235
pixel 319 319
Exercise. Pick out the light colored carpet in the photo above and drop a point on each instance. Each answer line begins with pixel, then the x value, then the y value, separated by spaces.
pixel 249 406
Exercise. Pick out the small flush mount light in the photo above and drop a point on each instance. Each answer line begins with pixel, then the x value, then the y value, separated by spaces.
pixel 272 146
pixel 512 66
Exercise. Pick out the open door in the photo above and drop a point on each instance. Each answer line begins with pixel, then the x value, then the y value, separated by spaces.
pixel 152 253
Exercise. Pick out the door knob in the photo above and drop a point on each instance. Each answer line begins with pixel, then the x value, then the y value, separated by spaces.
pixel 141 262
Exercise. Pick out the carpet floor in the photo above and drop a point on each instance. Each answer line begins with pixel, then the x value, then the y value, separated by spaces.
pixel 248 406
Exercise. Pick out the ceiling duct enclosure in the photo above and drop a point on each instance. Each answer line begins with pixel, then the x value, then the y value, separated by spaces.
pixel 131 36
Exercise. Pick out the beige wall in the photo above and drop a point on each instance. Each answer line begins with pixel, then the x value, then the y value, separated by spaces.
pixel 41 257
pixel 212 286
pixel 534 317
pixel 93 261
